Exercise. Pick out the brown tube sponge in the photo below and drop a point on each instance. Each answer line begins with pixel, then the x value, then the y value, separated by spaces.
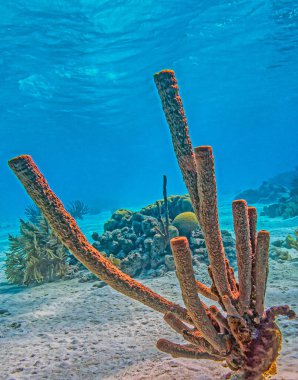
pixel 221 320
pixel 261 269
pixel 191 336
pixel 168 91
pixel 175 323
pixel 244 253
pixel 186 277
pixel 252 217
pixel 66 228
pixel 229 307
pixel 209 218
pixel 275 311
pixel 184 351
pixel 206 291
pixel 195 338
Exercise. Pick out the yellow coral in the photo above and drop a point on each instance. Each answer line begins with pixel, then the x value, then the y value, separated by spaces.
pixel 115 261
pixel 112 258
pixel 292 242
pixel 186 222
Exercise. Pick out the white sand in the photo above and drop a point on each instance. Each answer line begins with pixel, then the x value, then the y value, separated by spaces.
pixel 71 330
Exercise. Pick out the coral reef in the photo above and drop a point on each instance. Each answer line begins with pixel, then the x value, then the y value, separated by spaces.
pixel 137 241
pixel 244 334
pixel 285 179
pixel 286 206
pixel 186 223
pixel 281 195
pixel 266 193
pixel 141 239
pixel 176 205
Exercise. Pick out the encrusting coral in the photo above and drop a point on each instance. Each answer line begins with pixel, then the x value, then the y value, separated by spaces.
pixel 243 334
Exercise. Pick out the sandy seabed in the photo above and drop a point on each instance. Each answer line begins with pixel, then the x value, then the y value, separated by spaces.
pixel 69 330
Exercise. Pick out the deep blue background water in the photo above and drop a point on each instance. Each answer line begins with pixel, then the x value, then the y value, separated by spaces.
pixel 77 93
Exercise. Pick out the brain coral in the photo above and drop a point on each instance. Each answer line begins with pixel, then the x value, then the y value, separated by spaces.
pixel 186 222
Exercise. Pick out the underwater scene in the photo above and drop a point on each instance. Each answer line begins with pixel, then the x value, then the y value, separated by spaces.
pixel 149 190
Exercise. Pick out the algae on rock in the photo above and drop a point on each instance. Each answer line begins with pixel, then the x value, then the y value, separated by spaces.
pixel 292 242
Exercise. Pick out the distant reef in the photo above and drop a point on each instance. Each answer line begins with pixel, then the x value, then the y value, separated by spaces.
pixel 136 242
pixel 138 239
pixel 266 193
pixel 280 193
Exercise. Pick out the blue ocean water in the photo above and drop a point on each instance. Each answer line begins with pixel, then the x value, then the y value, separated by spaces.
pixel 77 93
